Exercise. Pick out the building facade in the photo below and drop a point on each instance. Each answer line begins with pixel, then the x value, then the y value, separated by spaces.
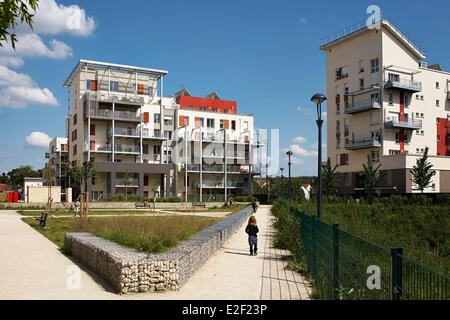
pixel 386 104
pixel 120 119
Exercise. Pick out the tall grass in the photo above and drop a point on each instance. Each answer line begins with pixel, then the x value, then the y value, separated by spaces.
pixel 145 234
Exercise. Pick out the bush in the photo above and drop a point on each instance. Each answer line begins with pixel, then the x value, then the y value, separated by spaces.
pixel 247 198
pixel 287 234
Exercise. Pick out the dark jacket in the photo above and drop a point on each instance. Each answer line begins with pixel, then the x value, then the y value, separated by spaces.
pixel 252 230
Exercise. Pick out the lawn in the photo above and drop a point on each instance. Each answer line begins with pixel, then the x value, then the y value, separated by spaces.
pixel 423 230
pixel 145 234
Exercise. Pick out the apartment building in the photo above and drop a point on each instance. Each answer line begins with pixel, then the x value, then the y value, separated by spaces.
pixel 386 103
pixel 221 147
pixel 58 157
pixel 120 119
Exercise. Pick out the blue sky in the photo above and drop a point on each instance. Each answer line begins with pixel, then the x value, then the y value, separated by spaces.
pixel 264 54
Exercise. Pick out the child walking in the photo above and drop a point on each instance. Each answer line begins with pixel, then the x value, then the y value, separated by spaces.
pixel 252 231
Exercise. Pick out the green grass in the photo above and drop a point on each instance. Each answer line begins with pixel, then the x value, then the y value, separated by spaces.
pixel 423 230
pixel 145 234
pixel 225 208
pixel 65 212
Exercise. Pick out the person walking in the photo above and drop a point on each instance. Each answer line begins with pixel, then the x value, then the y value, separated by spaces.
pixel 252 231
pixel 254 205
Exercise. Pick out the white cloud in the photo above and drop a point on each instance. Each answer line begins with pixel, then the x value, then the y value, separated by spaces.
pixel 299 139
pixel 20 96
pixel 37 139
pixel 304 110
pixel 315 146
pixel 324 115
pixel 54 18
pixel 17 90
pixel 302 20
pixel 302 152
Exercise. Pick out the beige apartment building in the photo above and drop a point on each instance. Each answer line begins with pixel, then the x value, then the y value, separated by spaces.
pixel 386 103
pixel 120 119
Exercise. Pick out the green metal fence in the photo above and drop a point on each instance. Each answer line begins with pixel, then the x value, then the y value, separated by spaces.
pixel 345 266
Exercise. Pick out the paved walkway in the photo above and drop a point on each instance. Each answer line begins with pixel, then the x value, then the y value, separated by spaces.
pixel 31 267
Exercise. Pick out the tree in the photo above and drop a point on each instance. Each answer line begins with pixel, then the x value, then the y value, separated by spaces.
pixel 13 12
pixel 371 178
pixel 126 180
pixel 82 174
pixel 422 172
pixel 330 178
pixel 15 177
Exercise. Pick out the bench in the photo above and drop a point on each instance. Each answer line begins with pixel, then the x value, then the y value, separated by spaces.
pixel 141 205
pixel 42 219
pixel 198 205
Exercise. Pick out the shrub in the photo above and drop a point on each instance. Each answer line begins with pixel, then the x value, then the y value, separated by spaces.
pixel 246 198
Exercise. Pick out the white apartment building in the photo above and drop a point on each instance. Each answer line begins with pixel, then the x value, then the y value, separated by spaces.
pixel 385 102
pixel 120 119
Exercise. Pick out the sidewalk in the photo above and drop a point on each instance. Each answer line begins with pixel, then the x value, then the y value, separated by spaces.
pixel 31 267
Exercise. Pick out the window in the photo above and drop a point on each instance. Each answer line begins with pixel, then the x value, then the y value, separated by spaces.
pixel 394 152
pixel 346 89
pixel 156 149
pixel 221 126
pixel 91 85
pixel 74 135
pixel 341 73
pixel 346 127
pixel 393 77
pixel 344 159
pixel 245 125
pixel 93 180
pixel 338 142
pixel 210 123
pixel 74 150
pixel 374 118
pixel 437 85
pixel 375 156
pixel 397 137
pixel 422 98
pixel 233 124
pixel 92 130
pixel 157 118
pixel 168 120
pixel 168 135
pixel 145 181
pixel 145 148
pixel 338 127
pixel 391 99
pixel 75 119
pixel 361 84
pixel 114 86
pixel 199 122
pixel 437 103
pixel 406 101
pixel 374 65
pixel 361 66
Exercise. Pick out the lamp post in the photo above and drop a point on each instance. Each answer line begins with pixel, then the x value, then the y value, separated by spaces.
pixel 289 154
pixel 281 183
pixel 318 99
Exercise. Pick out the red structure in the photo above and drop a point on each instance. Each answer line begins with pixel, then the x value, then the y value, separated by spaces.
pixel 211 103
pixel 443 137
pixel 13 197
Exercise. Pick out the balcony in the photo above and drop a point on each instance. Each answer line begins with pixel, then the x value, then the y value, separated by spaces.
pixel 403 84
pixel 127 182
pixel 218 168
pixel 107 114
pixel 359 144
pixel 122 148
pixel 122 97
pixel 412 124
pixel 211 184
pixel 126 132
pixel 362 106
pixel 98 148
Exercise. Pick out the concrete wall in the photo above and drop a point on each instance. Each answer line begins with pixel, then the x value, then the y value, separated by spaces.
pixel 40 194
pixel 130 271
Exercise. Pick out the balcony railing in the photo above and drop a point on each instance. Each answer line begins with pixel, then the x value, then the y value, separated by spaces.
pixel 218 168
pixel 128 182
pixel 118 114
pixel 125 98
pixel 361 106
pixel 366 143
pixel 126 148
pixel 128 132
pixel 403 84
pixel 412 124
pixel 98 148
pixel 220 184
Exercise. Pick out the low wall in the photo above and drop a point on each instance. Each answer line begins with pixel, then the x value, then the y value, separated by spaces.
pixel 115 205
pixel 130 271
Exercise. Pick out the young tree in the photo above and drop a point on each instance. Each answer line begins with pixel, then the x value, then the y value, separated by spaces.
pixel 371 178
pixel 12 13
pixel 82 174
pixel 422 172
pixel 330 178
pixel 126 180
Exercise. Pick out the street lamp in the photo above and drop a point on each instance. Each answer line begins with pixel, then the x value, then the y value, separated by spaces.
pixel 281 182
pixel 318 99
pixel 289 154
